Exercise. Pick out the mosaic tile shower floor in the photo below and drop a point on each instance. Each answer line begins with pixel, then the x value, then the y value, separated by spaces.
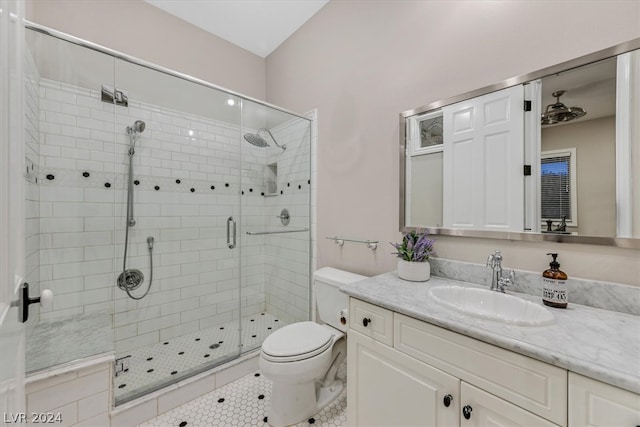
pixel 156 365
pixel 244 403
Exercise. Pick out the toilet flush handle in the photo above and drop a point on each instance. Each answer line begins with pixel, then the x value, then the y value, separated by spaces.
pixel 366 321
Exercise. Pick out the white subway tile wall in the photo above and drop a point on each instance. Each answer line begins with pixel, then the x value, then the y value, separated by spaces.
pixel 189 182
pixel 78 397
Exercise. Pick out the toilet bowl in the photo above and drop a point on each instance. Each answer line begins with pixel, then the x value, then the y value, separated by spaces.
pixel 302 359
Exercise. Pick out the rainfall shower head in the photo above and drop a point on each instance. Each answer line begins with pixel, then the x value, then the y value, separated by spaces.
pixel 258 141
pixel 255 139
pixel 138 127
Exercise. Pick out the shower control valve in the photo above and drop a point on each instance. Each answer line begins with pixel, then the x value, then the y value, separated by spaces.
pixel 284 216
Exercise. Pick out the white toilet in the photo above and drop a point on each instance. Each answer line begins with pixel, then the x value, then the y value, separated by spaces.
pixel 302 359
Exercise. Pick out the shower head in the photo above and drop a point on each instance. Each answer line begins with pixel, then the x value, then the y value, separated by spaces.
pixel 255 139
pixel 134 132
pixel 258 141
pixel 137 127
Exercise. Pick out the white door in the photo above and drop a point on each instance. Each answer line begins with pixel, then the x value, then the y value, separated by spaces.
pixel 388 388
pixel 483 180
pixel 12 405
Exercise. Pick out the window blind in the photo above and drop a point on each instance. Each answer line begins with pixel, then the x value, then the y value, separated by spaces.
pixel 555 183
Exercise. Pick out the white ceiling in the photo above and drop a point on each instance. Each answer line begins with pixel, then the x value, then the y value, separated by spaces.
pixel 259 26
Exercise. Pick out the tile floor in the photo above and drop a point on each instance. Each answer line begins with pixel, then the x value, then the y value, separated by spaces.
pixel 151 367
pixel 243 403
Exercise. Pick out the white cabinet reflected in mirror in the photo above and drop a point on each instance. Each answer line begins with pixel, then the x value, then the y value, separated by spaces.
pixel 552 153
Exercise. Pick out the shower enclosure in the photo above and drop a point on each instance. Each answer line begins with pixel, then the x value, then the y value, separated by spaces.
pixel 169 217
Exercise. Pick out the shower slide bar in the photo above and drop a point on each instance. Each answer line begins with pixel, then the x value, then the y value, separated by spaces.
pixel 371 244
pixel 260 233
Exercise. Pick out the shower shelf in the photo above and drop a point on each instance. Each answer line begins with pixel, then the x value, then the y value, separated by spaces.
pixel 259 233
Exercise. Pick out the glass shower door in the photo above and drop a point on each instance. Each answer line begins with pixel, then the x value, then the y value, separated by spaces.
pixel 276 184
pixel 182 220
pixel 69 199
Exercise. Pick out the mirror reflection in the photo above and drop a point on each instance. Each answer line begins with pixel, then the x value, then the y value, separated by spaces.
pixel 553 155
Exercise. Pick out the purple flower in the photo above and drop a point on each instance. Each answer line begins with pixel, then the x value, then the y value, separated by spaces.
pixel 416 246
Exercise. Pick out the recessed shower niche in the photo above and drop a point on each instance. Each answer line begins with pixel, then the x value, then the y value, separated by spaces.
pixel 271 179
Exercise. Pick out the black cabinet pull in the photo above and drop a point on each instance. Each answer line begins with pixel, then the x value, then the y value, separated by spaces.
pixel 447 400
pixel 366 322
pixel 466 412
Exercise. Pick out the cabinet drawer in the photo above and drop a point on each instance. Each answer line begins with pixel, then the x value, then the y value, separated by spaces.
pixel 371 320
pixel 488 410
pixel 592 403
pixel 525 382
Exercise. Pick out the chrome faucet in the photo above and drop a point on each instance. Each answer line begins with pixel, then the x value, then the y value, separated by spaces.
pixel 499 280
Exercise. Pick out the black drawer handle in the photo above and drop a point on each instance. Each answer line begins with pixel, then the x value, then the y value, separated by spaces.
pixel 447 400
pixel 466 412
pixel 366 322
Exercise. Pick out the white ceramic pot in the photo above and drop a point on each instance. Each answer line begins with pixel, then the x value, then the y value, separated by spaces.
pixel 414 271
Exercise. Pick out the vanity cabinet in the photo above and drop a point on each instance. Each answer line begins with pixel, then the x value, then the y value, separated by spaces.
pixel 431 376
pixel 593 403
pixel 388 388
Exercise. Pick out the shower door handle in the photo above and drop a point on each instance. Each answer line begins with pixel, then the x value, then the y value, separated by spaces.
pixel 230 221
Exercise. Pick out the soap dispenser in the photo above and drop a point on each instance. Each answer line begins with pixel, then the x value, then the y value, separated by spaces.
pixel 554 285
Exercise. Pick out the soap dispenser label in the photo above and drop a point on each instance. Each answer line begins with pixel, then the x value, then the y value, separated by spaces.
pixel 554 290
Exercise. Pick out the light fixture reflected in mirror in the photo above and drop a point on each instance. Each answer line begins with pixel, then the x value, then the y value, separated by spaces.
pixel 559 113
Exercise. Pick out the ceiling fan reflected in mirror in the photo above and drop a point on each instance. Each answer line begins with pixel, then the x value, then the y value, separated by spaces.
pixel 560 113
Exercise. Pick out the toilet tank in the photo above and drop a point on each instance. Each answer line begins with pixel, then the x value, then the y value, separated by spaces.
pixel 330 302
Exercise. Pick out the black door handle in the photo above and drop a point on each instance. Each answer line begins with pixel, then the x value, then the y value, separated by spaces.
pixel 366 322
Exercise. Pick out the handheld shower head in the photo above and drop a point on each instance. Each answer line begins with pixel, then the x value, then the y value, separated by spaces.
pixel 137 127
pixel 134 132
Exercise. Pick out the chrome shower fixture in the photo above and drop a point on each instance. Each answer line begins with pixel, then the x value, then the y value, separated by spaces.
pixel 258 141
pixel 137 127
pixel 131 279
pixel 558 112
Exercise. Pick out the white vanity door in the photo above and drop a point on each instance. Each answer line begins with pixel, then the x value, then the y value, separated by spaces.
pixel 483 179
pixel 595 404
pixel 388 388
pixel 479 408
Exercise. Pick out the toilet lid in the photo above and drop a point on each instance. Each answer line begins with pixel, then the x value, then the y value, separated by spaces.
pixel 297 341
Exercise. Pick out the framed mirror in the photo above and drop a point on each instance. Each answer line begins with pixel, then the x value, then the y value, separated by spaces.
pixel 552 155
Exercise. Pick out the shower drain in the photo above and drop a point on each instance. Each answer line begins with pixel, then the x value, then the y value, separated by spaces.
pixel 212 346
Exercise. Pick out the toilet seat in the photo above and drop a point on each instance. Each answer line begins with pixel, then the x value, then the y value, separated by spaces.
pixel 297 341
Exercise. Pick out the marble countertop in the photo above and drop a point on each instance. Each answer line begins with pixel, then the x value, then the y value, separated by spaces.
pixel 74 338
pixel 600 344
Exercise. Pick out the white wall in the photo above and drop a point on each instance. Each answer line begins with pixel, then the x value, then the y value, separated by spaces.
pixel 361 63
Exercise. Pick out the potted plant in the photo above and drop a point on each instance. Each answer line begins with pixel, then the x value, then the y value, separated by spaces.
pixel 413 254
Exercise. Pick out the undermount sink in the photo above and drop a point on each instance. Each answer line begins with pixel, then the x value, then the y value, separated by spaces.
pixel 492 305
